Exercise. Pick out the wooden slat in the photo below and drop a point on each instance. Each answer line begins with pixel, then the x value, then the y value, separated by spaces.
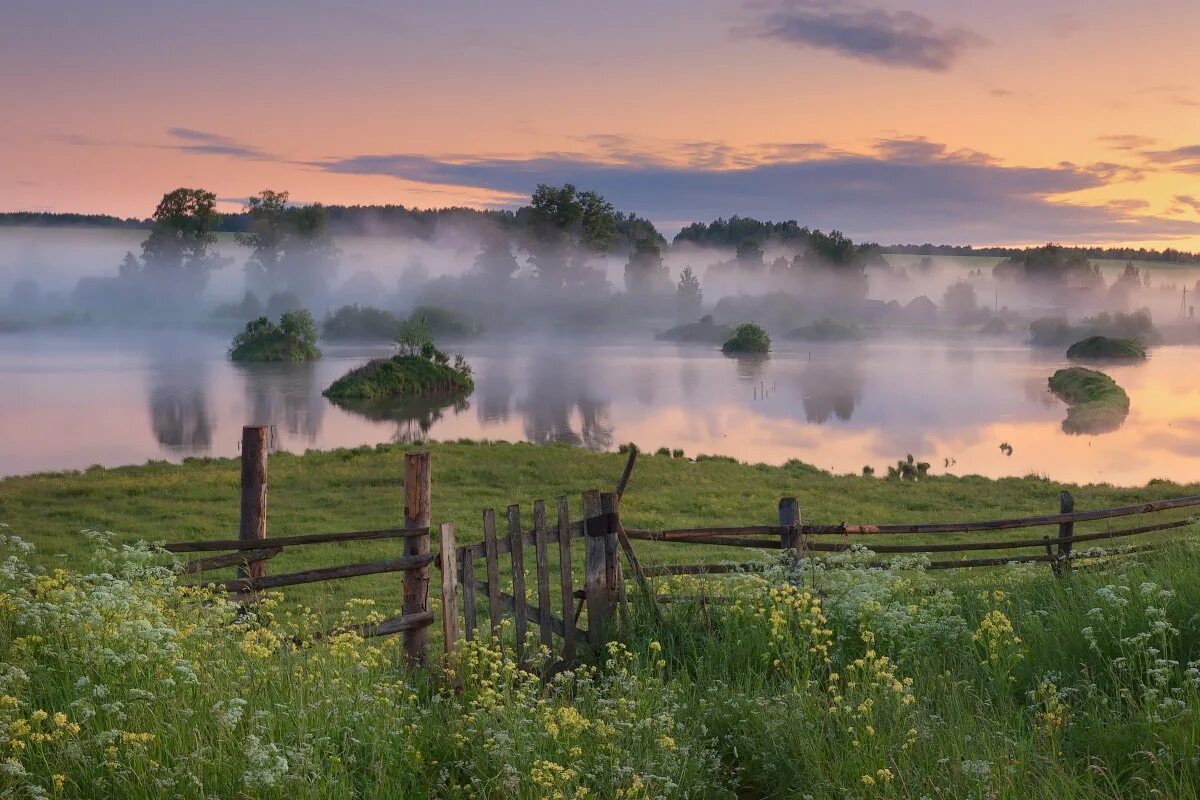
pixel 291 541
pixel 517 548
pixel 449 567
pixel 542 560
pixel 565 577
pixel 405 622
pixel 229 560
pixel 594 587
pixel 1007 524
pixel 493 570
pixel 612 564
pixel 466 576
pixel 554 623
pixel 326 574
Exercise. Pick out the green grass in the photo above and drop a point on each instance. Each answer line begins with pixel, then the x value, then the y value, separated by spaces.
pixel 1096 403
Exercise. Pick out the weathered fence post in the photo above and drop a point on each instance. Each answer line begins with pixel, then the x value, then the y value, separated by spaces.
pixel 1066 530
pixel 491 550
pixel 254 495
pixel 595 569
pixel 542 562
pixel 516 552
pixel 566 584
pixel 613 577
pixel 448 561
pixel 416 520
pixel 789 520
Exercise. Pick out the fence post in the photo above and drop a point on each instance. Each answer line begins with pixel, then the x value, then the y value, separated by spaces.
pixel 1066 505
pixel 595 569
pixel 516 553
pixel 789 520
pixel 566 585
pixel 448 562
pixel 254 495
pixel 416 581
pixel 614 578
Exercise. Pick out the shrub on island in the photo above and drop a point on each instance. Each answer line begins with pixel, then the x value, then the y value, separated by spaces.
pixel 748 338
pixel 293 339
pixel 825 330
pixel 419 369
pixel 1104 348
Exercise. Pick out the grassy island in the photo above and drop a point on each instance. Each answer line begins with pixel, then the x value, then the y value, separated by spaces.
pixel 294 338
pixel 360 323
pixel 749 339
pixel 419 369
pixel 1105 348
pixel 1096 403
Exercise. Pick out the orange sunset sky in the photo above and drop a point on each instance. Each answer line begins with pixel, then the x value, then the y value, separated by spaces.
pixel 921 120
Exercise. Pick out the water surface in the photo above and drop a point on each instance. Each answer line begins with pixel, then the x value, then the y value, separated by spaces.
pixel 72 399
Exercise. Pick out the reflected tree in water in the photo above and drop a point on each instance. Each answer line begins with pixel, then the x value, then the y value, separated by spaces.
pixel 179 412
pixel 284 395
pixel 493 394
pixel 750 367
pixel 414 417
pixel 558 387
pixel 831 389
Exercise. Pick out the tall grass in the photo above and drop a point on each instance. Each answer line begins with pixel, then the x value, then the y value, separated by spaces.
pixel 801 682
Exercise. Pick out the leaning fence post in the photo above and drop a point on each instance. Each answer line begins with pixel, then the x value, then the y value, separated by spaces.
pixel 613 577
pixel 789 520
pixel 416 521
pixel 448 561
pixel 254 495
pixel 595 569
pixel 1066 530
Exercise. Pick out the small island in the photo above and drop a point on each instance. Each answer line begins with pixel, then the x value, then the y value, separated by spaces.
pixel 1105 348
pixel 419 369
pixel 1096 404
pixel 294 338
pixel 355 323
pixel 748 339
pixel 705 331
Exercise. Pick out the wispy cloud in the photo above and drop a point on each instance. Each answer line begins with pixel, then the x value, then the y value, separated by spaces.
pixel 1180 159
pixel 898 190
pixel 1188 200
pixel 893 38
pixel 190 140
pixel 1126 141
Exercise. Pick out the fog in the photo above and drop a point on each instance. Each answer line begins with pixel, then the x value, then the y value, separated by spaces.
pixel 70 275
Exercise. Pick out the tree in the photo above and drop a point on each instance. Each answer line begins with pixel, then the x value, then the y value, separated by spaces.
pixel 293 249
pixel 960 302
pixel 645 272
pixel 496 259
pixel 749 256
pixel 688 291
pixel 413 337
pixel 567 226
pixel 176 254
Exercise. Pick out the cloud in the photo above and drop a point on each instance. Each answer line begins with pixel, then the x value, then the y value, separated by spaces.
pixel 896 39
pixel 1188 200
pixel 900 190
pixel 1126 141
pixel 1180 159
pixel 214 144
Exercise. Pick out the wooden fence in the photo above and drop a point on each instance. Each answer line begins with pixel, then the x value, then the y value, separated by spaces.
pixel 791 534
pixel 599 592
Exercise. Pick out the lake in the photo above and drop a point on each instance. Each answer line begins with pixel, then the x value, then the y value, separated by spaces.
pixel 81 397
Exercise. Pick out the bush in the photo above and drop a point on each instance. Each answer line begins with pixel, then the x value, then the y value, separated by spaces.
pixel 353 322
pixel 293 339
pixel 444 323
pixel 825 330
pixel 748 338
pixel 1102 348
pixel 703 331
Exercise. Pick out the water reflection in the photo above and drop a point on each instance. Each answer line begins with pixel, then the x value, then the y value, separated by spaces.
pixel 831 389
pixel 750 368
pixel 179 412
pixel 557 388
pixel 287 396
pixel 493 393
pixel 413 417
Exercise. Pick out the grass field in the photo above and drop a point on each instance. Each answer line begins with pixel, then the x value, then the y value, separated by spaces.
pixel 896 683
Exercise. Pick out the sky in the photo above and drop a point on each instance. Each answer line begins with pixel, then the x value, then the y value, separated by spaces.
pixel 910 121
